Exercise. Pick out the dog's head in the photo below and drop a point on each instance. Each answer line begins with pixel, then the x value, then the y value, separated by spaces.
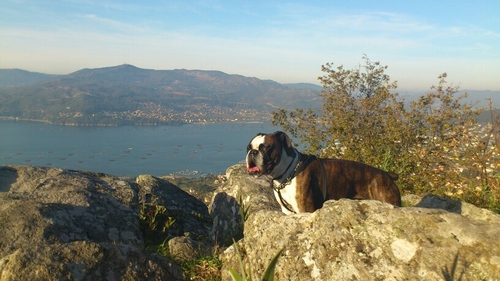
pixel 265 153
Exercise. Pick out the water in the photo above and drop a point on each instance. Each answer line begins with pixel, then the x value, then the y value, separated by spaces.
pixel 192 149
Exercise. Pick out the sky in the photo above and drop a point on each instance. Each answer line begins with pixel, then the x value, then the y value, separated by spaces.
pixel 284 41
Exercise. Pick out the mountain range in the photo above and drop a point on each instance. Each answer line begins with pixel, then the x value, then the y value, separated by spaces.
pixel 128 95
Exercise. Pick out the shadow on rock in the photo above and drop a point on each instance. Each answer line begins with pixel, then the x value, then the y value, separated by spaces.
pixel 80 225
pixel 8 176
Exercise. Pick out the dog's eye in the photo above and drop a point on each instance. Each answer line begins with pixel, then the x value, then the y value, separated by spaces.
pixel 249 147
pixel 264 147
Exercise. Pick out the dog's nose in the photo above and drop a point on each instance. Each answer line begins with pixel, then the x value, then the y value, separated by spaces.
pixel 254 152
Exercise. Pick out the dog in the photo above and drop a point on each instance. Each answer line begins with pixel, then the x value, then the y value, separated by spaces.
pixel 302 183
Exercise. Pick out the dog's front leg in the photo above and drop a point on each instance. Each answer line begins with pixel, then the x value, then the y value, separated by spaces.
pixel 309 196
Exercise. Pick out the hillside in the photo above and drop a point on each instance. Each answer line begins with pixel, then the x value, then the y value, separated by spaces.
pixel 477 98
pixel 16 77
pixel 126 94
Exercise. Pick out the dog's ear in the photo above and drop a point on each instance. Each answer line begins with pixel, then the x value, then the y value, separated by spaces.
pixel 285 142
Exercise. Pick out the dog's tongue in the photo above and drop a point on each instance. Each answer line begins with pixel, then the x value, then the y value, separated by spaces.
pixel 253 169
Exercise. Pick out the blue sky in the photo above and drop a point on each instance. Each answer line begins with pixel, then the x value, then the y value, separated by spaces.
pixel 286 41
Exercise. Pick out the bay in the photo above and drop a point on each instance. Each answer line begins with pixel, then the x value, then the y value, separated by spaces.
pixel 191 149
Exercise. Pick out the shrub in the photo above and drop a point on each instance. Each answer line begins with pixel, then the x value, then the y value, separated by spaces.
pixel 435 143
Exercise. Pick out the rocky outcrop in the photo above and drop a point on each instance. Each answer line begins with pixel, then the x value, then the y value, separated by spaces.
pixel 187 215
pixel 239 196
pixel 438 239
pixel 60 224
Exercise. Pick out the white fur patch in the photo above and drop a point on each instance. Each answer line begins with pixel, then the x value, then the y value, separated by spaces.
pixel 254 144
pixel 258 140
pixel 289 194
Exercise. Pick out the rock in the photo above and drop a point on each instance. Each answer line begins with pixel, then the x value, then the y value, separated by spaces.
pixel 85 260
pixel 239 196
pixel 188 215
pixel 183 248
pixel 62 224
pixel 410 200
pixel 459 207
pixel 367 240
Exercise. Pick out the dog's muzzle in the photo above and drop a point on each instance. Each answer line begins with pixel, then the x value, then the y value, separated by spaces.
pixel 252 162
pixel 259 163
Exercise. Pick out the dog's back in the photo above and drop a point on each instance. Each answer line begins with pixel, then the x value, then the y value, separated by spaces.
pixel 350 179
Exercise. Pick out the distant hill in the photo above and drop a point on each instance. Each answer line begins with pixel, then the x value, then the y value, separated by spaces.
pixel 16 77
pixel 126 94
pixel 478 98
pixel 488 116
pixel 305 86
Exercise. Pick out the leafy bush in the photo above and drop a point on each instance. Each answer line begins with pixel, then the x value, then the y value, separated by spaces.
pixel 435 143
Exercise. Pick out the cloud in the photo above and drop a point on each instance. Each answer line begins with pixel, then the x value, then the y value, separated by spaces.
pixel 379 22
pixel 285 42
pixel 92 21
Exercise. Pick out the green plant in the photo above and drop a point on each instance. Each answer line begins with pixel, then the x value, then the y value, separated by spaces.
pixel 246 271
pixel 481 196
pixel 162 249
pixel 206 268
pixel 155 223
pixel 151 215
pixel 244 209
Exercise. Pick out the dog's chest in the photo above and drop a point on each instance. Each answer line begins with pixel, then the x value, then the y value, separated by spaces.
pixel 289 195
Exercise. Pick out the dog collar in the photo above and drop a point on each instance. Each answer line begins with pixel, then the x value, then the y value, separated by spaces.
pixel 298 168
pixel 287 168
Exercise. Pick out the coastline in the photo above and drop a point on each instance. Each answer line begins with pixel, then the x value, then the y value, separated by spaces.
pixel 153 124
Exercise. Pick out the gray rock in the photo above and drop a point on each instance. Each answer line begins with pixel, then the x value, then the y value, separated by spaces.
pixel 61 224
pixel 369 240
pixel 183 248
pixel 85 260
pixel 240 196
pixel 455 206
pixel 189 215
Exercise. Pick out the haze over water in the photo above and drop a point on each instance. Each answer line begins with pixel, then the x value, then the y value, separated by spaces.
pixel 128 150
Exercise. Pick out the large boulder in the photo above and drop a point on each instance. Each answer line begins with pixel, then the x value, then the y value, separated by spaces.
pixel 61 224
pixel 187 215
pixel 441 239
pixel 234 200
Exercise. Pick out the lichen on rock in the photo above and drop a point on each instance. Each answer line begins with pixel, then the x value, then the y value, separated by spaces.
pixel 364 240
pixel 57 223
